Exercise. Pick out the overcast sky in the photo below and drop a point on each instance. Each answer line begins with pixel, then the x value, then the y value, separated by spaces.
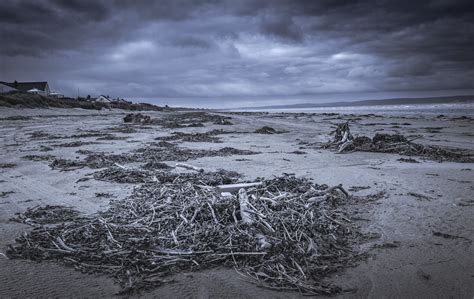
pixel 239 53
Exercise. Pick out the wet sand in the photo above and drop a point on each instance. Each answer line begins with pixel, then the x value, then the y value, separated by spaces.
pixel 411 261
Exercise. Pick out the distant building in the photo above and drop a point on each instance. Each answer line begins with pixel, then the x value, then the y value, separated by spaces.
pixel 103 99
pixel 121 101
pixel 35 91
pixel 55 94
pixel 41 88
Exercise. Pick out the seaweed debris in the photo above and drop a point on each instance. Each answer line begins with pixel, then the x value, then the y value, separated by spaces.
pixel 155 152
pixel 137 176
pixel 192 119
pixel 38 157
pixel 268 130
pixel 5 193
pixel 47 215
pixel 137 118
pixel 121 175
pixel 345 142
pixel 16 117
pixel 408 160
pixel 74 144
pixel 152 165
pixel 287 233
pixel 7 165
pixel 192 137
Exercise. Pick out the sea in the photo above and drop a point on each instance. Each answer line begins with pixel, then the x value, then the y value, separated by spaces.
pixel 448 109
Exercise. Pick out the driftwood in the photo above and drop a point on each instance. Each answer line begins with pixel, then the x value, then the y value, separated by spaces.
pixel 345 142
pixel 137 118
pixel 274 234
pixel 189 166
pixel 244 207
pixel 236 187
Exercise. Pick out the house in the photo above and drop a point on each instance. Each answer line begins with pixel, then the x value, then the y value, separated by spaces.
pixel 35 91
pixel 57 95
pixel 5 88
pixel 41 88
pixel 103 99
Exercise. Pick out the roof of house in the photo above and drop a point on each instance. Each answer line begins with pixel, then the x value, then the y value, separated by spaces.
pixel 5 88
pixel 25 86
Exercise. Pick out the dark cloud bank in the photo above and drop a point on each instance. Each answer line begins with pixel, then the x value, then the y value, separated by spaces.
pixel 234 53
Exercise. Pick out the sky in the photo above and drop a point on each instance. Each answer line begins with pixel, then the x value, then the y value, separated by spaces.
pixel 210 53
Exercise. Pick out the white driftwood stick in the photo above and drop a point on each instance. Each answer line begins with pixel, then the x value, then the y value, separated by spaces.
pixel 345 136
pixel 245 214
pixel 236 187
pixel 262 241
pixel 344 146
pixel 121 166
pixel 188 166
pixel 244 209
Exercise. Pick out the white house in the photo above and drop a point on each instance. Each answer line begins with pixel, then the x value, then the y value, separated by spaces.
pixel 103 99
pixel 55 94
pixel 35 91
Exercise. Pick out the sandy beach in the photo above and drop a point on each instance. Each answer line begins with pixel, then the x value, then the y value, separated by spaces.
pixel 422 223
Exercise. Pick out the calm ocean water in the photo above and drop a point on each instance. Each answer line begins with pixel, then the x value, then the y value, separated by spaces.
pixel 466 109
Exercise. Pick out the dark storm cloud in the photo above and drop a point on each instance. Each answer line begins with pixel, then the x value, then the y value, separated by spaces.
pixel 282 26
pixel 226 49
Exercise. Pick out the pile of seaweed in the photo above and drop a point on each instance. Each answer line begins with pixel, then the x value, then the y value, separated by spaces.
pixel 137 118
pixel 193 137
pixel 136 176
pixel 180 119
pixel 282 233
pixel 152 153
pixel 268 130
pixel 345 142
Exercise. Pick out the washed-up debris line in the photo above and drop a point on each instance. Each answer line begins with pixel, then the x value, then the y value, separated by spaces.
pixel 49 214
pixel 155 152
pixel 121 175
pixel 268 130
pixel 345 142
pixel 113 137
pixel 125 129
pixel 65 164
pixel 44 148
pixel 199 117
pixel 88 133
pixel 192 119
pixel 42 135
pixel 179 120
pixel 193 137
pixel 16 117
pixel 93 160
pixel 153 165
pixel 38 157
pixel 5 193
pixel 137 118
pixel 74 144
pixel 46 136
pixel 7 165
pixel 170 152
pixel 131 176
pixel 287 233
pixel 408 160
pixel 224 121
